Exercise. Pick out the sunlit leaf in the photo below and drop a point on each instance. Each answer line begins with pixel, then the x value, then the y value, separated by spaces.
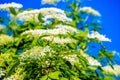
pixel 54 75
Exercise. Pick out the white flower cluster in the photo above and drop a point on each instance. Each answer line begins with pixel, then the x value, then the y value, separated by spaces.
pixel 59 40
pixel 32 53
pixel 16 76
pixel 97 35
pixel 62 29
pixel 66 27
pixel 90 10
pixel 72 58
pixel 2 72
pixel 41 32
pixel 47 13
pixel 48 50
pixel 35 53
pixel 10 78
pixel 50 1
pixel 4 39
pixel 91 60
pixel 115 70
pixel 6 6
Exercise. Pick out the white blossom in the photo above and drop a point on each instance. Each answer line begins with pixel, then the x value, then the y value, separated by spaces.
pixel 66 27
pixel 99 36
pixel 6 6
pixel 91 60
pixel 35 53
pixel 50 1
pixel 31 53
pixel 4 39
pixel 59 40
pixel 48 50
pixel 10 78
pixel 72 58
pixel 47 13
pixel 40 32
pixel 90 10
pixel 2 72
pixel 60 29
pixel 17 75
pixel 115 70
pixel 58 17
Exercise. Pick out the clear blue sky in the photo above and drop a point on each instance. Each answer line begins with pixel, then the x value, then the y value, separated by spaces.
pixel 109 9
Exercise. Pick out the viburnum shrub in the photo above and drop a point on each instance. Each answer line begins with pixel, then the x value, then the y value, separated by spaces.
pixel 53 44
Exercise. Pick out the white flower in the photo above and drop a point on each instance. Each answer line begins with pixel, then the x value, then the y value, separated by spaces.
pixel 60 29
pixel 59 40
pixel 58 17
pixel 50 1
pixel 35 53
pixel 40 32
pixel 90 59
pixel 6 6
pixel 97 35
pixel 72 58
pixel 48 50
pixel 66 27
pixel 47 13
pixel 2 72
pixel 10 78
pixel 115 70
pixel 90 10
pixel 31 53
pixel 4 39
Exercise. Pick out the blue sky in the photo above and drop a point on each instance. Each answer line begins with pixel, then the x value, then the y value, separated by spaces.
pixel 109 9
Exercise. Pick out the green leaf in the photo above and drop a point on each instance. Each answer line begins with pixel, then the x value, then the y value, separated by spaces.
pixel 40 27
pixel 44 77
pixel 1 20
pixel 34 42
pixel 83 45
pixel 12 10
pixel 54 75
pixel 69 64
pixel 63 78
pixel 73 23
pixel 75 78
pixel 109 78
pixel 93 67
pixel 11 68
pixel 40 17
pixel 71 45
pixel 83 33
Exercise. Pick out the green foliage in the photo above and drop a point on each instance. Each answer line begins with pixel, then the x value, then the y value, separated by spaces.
pixel 109 78
pixel 12 10
pixel 1 20
pixel 31 57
